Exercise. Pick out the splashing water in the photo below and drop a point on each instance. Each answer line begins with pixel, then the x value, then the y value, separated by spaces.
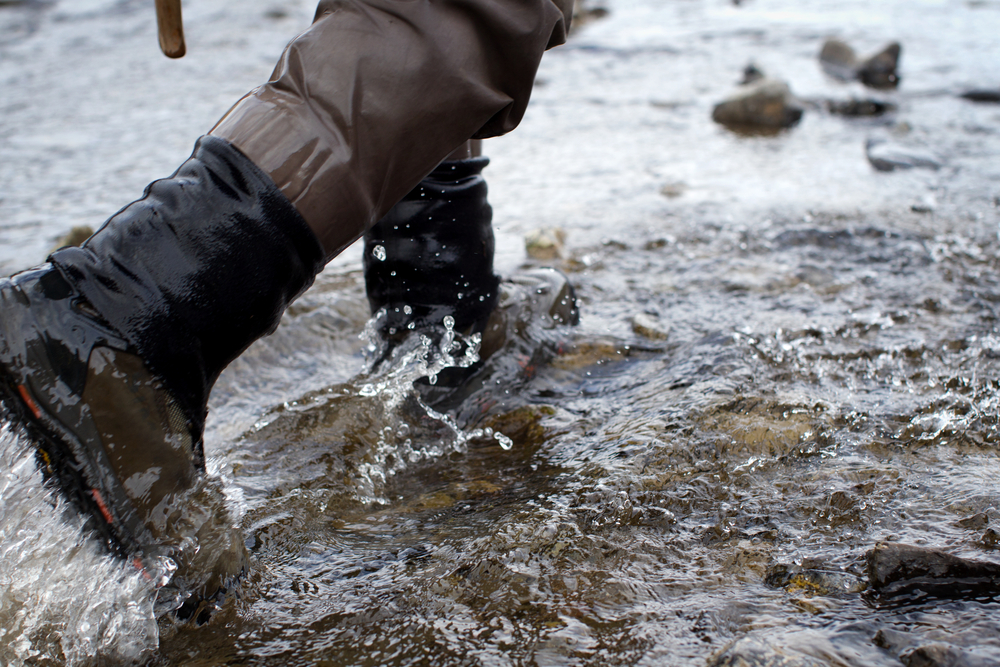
pixel 62 600
pixel 398 372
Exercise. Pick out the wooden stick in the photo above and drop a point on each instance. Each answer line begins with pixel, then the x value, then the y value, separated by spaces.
pixel 171 28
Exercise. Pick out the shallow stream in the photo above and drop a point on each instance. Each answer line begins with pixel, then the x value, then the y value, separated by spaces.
pixel 784 357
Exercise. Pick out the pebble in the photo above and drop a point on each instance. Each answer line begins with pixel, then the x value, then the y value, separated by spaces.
pixel 889 156
pixel 983 95
pixel 856 107
pixel 545 244
pixel 650 327
pixel 840 61
pixel 762 104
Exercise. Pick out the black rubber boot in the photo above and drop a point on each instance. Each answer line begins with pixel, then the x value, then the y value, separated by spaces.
pixel 431 256
pixel 108 354
pixel 430 260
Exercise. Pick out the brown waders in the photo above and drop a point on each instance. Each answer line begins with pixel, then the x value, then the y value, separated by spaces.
pixel 376 93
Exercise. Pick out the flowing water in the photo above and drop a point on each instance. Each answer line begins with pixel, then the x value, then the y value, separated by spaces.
pixel 784 357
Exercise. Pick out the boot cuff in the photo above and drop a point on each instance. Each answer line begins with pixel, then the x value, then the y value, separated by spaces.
pixel 200 267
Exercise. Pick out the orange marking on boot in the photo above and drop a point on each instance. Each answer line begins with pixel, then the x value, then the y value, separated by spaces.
pixel 101 506
pixel 137 564
pixel 21 389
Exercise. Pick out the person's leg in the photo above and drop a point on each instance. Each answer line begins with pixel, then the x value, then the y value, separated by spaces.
pixel 109 351
pixel 431 255
pixel 428 266
pixel 377 93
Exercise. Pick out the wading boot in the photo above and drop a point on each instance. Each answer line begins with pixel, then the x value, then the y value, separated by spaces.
pixel 108 353
pixel 428 267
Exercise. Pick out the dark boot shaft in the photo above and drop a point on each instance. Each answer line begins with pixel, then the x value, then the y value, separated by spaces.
pixel 432 255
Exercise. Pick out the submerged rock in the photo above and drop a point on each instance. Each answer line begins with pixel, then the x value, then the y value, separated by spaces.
pixel 898 568
pixel 840 61
pixel 762 104
pixel 813 581
pixel 856 107
pixel 889 156
pixel 650 327
pixel 913 651
pixel 982 95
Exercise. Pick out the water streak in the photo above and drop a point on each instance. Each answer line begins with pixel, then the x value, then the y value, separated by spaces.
pixel 63 600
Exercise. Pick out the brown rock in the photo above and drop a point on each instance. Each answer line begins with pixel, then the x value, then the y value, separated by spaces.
pixel 764 104
pixel 840 61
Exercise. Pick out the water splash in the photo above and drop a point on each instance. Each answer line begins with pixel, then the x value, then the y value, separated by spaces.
pixel 395 377
pixel 62 600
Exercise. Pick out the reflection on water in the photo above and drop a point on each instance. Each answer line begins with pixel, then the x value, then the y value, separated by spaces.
pixel 784 357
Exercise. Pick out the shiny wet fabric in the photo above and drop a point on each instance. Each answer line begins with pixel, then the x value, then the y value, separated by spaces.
pixel 431 256
pixel 200 267
pixel 372 96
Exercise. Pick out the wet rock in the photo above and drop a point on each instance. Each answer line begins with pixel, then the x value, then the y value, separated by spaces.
pixel 889 156
pixel 859 108
pixel 673 190
pixel 912 652
pixel 545 244
pixel 764 104
pixel 927 204
pixel 814 581
pixel 879 71
pixel 983 95
pixel 585 11
pixel 990 538
pixel 751 73
pixel 975 522
pixel 650 327
pixel 896 568
pixel 761 427
pixel 840 61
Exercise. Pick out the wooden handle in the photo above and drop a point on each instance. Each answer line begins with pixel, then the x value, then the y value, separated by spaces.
pixel 171 28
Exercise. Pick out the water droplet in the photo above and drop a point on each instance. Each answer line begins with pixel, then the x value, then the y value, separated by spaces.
pixel 449 322
pixel 407 310
pixel 505 442
pixel 379 253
